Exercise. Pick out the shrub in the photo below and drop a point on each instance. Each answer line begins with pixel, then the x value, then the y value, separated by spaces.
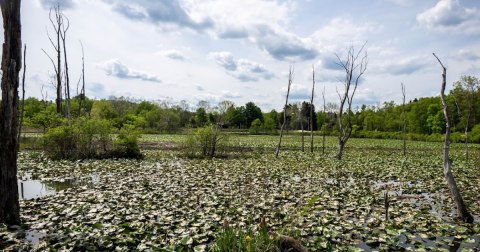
pixel 256 126
pixel 81 138
pixel 126 144
pixel 207 141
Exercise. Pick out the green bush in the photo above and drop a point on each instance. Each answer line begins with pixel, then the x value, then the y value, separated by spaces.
pixel 81 138
pixel 126 144
pixel 207 141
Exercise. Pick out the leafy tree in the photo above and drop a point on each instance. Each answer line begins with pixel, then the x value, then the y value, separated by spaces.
pixel 270 126
pixel 252 112
pixel 305 111
pixel 104 109
pixel 201 116
pixel 435 119
pixel 256 126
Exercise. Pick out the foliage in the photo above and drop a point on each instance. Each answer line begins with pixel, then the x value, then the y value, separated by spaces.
pixel 231 239
pixel 270 126
pixel 207 142
pixel 338 204
pixel 256 126
pixel 126 144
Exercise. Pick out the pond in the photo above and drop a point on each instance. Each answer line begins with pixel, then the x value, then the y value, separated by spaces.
pixel 29 187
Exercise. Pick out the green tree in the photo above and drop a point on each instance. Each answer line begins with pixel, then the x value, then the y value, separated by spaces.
pixel 435 119
pixel 252 112
pixel 256 126
pixel 201 116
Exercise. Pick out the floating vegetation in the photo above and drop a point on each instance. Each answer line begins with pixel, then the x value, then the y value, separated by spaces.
pixel 164 201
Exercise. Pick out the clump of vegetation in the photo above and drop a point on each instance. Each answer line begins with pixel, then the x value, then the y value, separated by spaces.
pixel 231 239
pixel 81 138
pixel 207 142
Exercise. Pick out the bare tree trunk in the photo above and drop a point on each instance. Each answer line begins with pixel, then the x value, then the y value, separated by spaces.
pixel 11 65
pixel 323 124
pixel 447 162
pixel 23 95
pixel 63 35
pixel 311 110
pixel 290 80
pixel 404 123
pixel 83 80
pixel 303 138
pixel 349 66
pixel 57 67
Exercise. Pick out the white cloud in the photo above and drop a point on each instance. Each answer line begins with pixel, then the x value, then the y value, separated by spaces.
pixel 174 55
pixel 404 65
pixel 198 87
pixel 230 95
pixel 166 15
pixel 115 68
pixel 450 16
pixel 64 4
pixel 464 54
pixel 297 92
pixel 402 2
pixel 242 69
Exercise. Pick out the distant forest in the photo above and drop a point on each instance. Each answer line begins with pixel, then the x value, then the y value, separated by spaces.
pixel 424 117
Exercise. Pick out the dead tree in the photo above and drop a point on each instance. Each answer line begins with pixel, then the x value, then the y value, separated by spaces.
pixel 303 137
pixel 404 123
pixel 290 80
pixel 447 162
pixel 57 26
pixel 311 110
pixel 63 36
pixel 349 66
pixel 82 92
pixel 23 95
pixel 11 65
pixel 323 124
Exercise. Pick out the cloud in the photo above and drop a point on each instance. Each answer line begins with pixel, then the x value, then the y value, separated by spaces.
pixel 199 88
pixel 402 2
pixel 450 16
pixel 230 95
pixel 174 55
pixel 215 98
pixel 297 92
pixel 464 54
pixel 243 70
pixel 167 15
pixel 115 68
pixel 403 66
pixel 64 4
pixel 282 45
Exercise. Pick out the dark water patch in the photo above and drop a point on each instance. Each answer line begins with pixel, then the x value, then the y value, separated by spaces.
pixel 29 188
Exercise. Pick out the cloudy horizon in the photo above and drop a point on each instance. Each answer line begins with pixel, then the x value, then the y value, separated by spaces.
pixel 241 50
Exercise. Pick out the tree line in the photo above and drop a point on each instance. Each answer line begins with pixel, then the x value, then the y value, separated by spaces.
pixel 424 116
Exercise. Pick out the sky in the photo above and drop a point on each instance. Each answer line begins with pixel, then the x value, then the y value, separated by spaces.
pixel 241 50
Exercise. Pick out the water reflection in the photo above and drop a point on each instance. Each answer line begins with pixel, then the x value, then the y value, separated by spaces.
pixel 30 188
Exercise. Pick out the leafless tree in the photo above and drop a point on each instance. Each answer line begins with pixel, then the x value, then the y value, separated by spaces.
pixel 11 65
pixel 82 92
pixel 311 109
pixel 447 162
pixel 23 94
pixel 290 80
pixel 350 65
pixel 63 35
pixel 404 123
pixel 323 126
pixel 57 26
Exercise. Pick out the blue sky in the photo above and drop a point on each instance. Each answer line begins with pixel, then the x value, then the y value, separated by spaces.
pixel 241 50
